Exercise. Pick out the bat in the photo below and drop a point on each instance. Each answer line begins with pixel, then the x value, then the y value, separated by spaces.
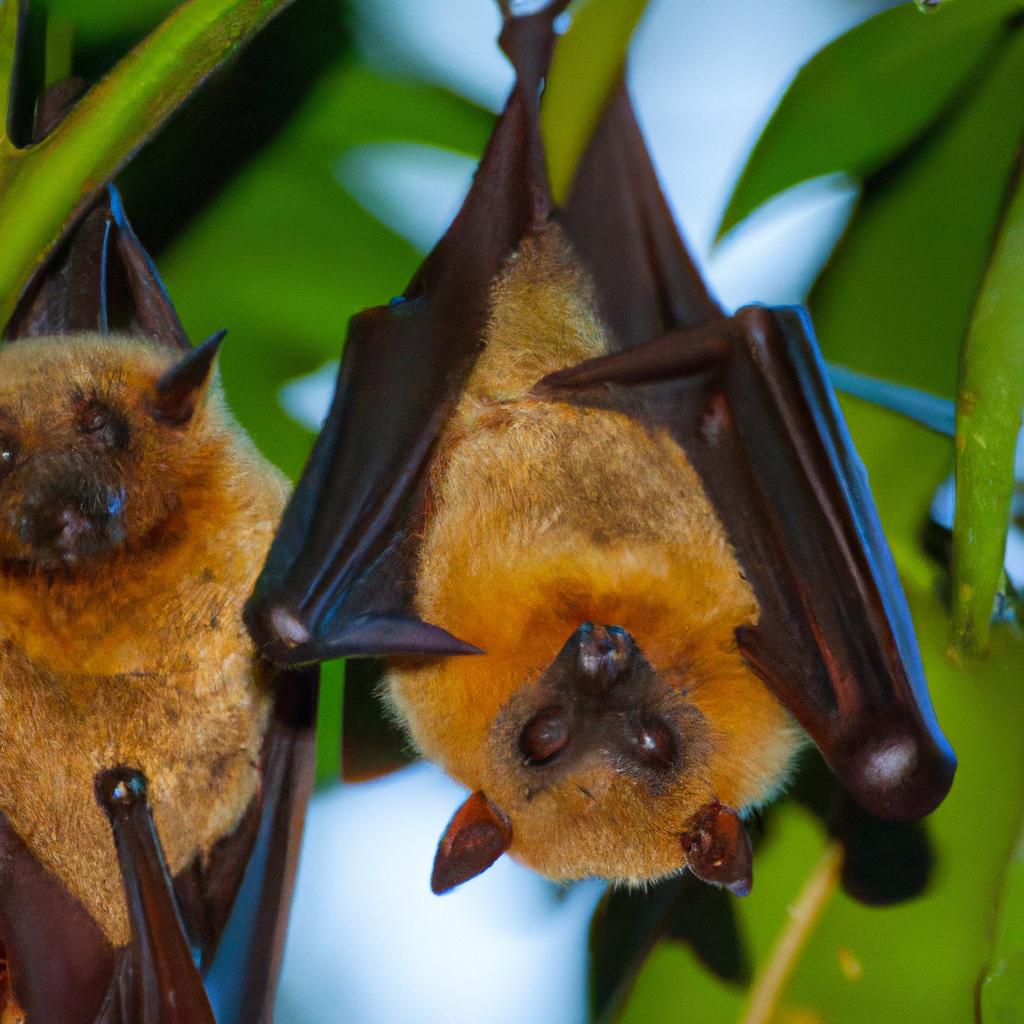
pixel 155 768
pixel 614 544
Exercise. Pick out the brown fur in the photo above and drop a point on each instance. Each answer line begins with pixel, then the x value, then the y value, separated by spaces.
pixel 547 515
pixel 139 657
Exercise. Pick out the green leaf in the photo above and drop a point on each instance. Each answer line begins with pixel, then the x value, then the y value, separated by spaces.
pixel 43 187
pixel 100 21
pixel 896 299
pixel 865 98
pixel 586 66
pixel 1002 989
pixel 989 403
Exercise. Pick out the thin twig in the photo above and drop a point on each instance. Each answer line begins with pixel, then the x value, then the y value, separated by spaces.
pixel 803 916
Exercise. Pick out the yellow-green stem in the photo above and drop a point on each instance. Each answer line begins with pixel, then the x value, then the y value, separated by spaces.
pixel 989 401
pixel 45 186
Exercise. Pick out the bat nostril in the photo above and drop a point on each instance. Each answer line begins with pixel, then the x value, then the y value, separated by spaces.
pixel 605 653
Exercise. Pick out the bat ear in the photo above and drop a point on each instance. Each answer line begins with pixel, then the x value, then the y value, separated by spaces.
pixel 476 837
pixel 179 389
pixel 718 849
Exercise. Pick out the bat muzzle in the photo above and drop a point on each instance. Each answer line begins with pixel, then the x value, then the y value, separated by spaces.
pixel 603 655
pixel 68 521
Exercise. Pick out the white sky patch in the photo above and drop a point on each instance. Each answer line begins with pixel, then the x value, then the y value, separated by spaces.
pixel 450 43
pixel 307 399
pixel 369 942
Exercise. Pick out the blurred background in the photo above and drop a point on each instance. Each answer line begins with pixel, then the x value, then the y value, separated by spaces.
pixel 304 183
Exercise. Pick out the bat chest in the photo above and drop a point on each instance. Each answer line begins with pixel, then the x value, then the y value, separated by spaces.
pixel 190 714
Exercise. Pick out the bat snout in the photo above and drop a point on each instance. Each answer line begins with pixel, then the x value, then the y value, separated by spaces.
pixel 604 655
pixel 71 522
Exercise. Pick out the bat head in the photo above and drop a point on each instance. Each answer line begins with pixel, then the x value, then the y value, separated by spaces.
pixel 599 767
pixel 97 435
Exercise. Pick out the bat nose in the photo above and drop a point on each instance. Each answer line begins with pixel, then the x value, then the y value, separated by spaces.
pixel 69 523
pixel 604 654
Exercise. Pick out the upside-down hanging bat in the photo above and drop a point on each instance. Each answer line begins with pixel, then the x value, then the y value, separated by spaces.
pixel 153 768
pixel 615 545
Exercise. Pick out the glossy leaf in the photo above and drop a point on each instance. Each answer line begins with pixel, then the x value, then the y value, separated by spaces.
pixel 912 260
pixel 864 99
pixel 989 403
pixel 587 63
pixel 46 185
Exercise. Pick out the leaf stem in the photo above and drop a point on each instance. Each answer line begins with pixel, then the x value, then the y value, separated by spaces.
pixel 10 19
pixel 773 977
pixel 990 397
pixel 45 186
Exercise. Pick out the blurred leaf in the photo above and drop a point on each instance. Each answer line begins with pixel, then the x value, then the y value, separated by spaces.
pixel 328 723
pixel 44 186
pixel 772 979
pixel 989 403
pixel 372 742
pixel 864 98
pixel 94 21
pixel 628 922
pixel 586 66
pixel 911 262
pixel 285 255
pixel 1002 989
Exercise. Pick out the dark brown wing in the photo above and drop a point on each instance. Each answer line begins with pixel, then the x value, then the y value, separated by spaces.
pixel 100 279
pixel 242 976
pixel 621 226
pixel 233 911
pixel 338 581
pixel 60 963
pixel 748 400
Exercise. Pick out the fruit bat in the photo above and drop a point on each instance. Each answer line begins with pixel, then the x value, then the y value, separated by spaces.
pixel 615 544
pixel 153 768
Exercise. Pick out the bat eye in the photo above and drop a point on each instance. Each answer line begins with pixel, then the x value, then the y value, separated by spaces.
pixel 8 454
pixel 102 426
pixel 544 736
pixel 653 743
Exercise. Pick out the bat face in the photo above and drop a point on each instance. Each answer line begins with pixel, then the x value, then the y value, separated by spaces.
pixel 91 463
pixel 602 755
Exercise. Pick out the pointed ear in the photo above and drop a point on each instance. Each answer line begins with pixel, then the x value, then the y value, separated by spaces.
pixel 718 849
pixel 475 838
pixel 179 389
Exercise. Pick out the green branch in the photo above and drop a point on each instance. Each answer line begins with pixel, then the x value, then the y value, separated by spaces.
pixel 9 17
pixel 989 401
pixel 45 186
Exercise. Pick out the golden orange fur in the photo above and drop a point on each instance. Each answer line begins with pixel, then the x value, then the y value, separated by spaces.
pixel 547 515
pixel 138 658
